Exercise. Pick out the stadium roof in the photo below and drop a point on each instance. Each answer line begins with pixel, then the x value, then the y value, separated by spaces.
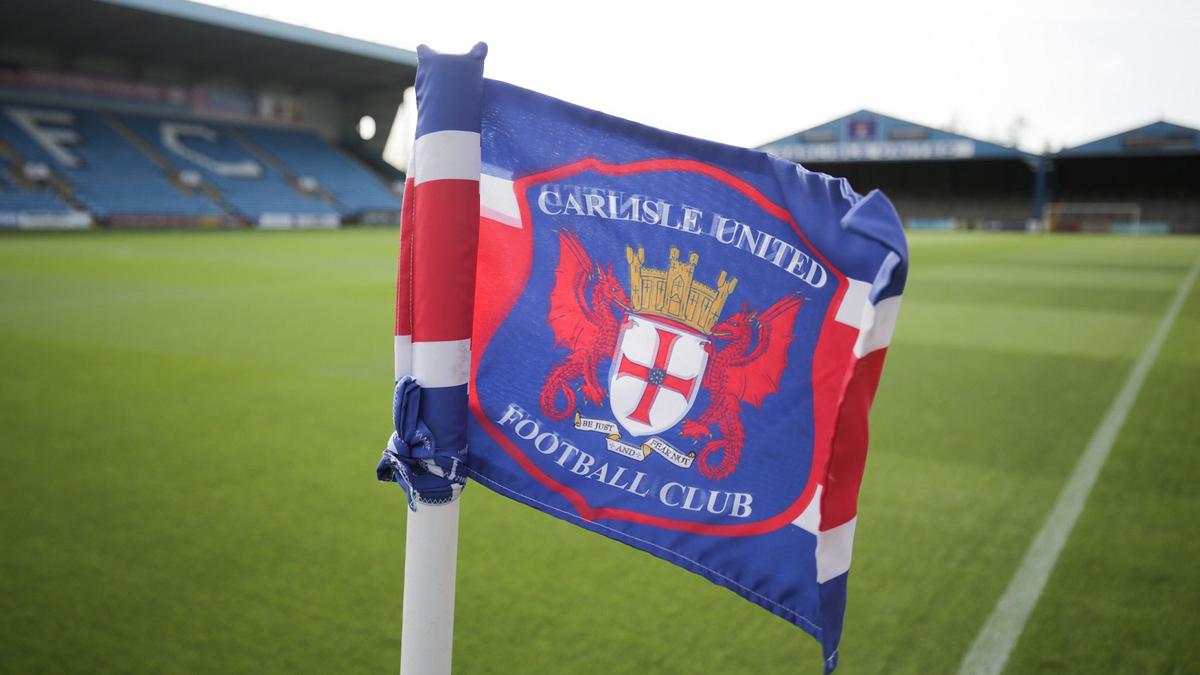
pixel 208 40
pixel 1158 138
pixel 866 136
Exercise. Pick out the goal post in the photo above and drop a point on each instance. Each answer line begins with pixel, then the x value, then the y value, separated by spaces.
pixel 1093 216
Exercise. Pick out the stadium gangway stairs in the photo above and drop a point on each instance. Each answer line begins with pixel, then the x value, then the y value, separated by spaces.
pixel 270 160
pixel 170 169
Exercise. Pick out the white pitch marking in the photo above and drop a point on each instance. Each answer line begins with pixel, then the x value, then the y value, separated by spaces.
pixel 992 647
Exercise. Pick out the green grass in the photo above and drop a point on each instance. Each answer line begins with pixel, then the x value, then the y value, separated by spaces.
pixel 189 424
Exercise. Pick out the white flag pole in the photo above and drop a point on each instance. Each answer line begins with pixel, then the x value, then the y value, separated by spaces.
pixel 427 638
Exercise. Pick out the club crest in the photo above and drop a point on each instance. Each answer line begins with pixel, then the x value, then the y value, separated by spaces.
pixel 655 374
pixel 646 343
pixel 661 336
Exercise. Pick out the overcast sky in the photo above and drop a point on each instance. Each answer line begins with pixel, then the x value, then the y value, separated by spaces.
pixel 748 72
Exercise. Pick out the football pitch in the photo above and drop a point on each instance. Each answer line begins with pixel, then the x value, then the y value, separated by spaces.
pixel 190 422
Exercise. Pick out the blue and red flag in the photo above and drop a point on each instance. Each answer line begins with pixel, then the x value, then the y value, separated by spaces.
pixel 675 343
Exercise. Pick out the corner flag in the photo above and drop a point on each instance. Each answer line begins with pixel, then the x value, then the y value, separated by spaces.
pixel 675 343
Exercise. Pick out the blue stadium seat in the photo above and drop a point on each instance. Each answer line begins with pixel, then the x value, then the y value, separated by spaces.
pixel 305 154
pixel 114 177
pixel 254 197
pixel 13 199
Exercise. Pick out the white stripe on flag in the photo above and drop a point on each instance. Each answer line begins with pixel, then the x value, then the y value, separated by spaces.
pixel 441 364
pixel 810 519
pixel 446 155
pixel 833 551
pixel 498 201
pixel 833 545
pixel 857 296
pixel 403 355
pixel 879 321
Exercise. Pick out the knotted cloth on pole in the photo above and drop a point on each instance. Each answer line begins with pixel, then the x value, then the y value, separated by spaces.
pixel 676 343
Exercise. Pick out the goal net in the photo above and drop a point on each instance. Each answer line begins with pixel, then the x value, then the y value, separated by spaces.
pixel 1093 216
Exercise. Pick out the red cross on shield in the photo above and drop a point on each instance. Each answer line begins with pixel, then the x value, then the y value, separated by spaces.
pixel 656 374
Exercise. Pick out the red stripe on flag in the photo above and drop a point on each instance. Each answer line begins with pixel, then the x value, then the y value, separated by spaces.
pixel 839 501
pixel 833 363
pixel 446 222
pixel 506 257
pixel 404 264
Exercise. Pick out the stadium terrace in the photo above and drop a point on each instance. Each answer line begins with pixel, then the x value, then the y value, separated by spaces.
pixel 221 120
pixel 1136 181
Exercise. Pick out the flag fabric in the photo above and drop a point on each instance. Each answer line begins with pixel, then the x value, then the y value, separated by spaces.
pixel 675 343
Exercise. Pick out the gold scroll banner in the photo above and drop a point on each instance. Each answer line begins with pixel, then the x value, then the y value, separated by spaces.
pixel 639 452
pixel 631 451
pixel 606 427
pixel 670 453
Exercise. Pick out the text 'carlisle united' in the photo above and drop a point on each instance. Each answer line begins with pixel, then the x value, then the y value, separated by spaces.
pixel 615 205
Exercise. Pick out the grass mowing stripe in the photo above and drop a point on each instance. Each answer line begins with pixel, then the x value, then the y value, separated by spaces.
pixel 990 651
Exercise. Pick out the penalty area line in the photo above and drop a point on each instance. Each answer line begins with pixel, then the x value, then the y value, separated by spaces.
pixel 990 651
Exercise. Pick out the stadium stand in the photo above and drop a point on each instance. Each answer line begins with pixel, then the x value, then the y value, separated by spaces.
pixel 104 174
pixel 169 112
pixel 121 167
pixel 30 202
pixel 176 113
pixel 253 189
pixel 936 178
pixel 1145 179
pixel 15 197
pixel 354 188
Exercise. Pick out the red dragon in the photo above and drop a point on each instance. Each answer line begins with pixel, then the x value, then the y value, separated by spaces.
pixel 584 321
pixel 746 370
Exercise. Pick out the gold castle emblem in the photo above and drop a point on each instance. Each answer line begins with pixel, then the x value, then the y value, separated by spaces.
pixel 673 293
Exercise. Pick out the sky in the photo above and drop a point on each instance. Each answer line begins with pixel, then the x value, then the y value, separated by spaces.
pixel 1046 74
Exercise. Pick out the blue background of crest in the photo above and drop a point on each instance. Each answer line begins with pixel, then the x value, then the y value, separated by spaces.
pixel 775 463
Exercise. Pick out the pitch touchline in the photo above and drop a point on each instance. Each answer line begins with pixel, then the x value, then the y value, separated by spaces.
pixel 990 651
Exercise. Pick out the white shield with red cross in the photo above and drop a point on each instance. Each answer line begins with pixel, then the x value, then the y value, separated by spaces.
pixel 655 374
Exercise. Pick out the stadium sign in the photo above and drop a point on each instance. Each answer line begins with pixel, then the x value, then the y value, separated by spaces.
pixel 875 150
